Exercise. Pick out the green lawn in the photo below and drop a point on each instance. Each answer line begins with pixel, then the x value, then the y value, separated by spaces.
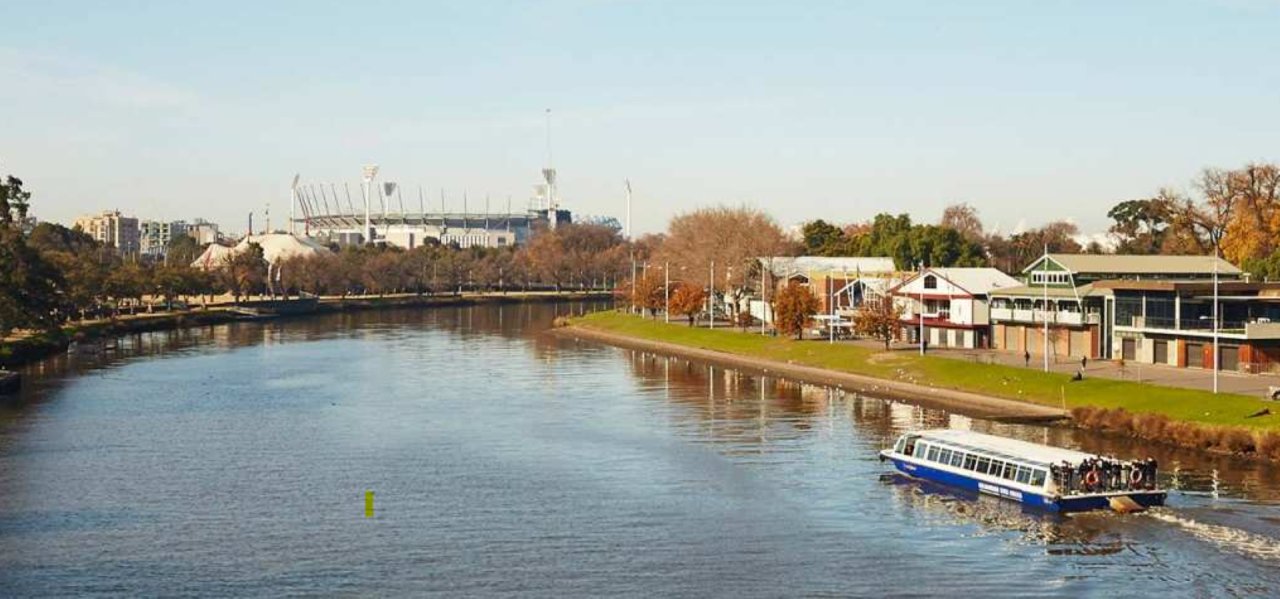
pixel 988 379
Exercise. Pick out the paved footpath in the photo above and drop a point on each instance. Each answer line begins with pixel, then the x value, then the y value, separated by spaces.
pixel 1170 376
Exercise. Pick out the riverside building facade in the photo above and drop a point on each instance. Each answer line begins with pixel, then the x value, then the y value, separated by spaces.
pixel 1144 309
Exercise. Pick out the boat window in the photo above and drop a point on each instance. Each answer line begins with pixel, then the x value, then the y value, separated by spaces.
pixel 944 456
pixel 1037 478
pixel 1010 471
pixel 970 462
pixel 933 454
pixel 983 464
pixel 996 465
pixel 1024 475
pixel 900 445
pixel 921 447
pixel 957 459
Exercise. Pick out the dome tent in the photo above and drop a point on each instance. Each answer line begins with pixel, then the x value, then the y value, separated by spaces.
pixel 275 247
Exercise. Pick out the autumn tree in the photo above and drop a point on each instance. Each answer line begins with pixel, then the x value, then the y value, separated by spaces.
pixel 1253 228
pixel 878 319
pixel 731 237
pixel 963 218
pixel 687 300
pixel 793 309
pixel 649 294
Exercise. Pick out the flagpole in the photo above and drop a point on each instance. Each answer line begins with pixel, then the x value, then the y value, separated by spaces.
pixel 921 308
pixel 1044 284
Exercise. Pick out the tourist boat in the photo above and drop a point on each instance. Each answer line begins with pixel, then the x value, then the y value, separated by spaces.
pixel 1039 476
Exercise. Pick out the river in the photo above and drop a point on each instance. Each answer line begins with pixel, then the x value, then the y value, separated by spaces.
pixel 234 460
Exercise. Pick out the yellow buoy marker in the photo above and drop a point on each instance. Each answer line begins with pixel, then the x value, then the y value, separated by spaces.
pixel 368 504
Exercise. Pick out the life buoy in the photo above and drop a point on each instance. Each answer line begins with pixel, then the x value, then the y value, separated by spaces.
pixel 1091 478
pixel 1135 477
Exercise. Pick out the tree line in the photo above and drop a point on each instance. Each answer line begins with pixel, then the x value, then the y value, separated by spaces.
pixel 51 274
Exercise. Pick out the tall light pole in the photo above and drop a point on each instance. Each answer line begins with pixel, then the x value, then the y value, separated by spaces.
pixel 764 298
pixel 831 297
pixel 711 297
pixel 922 308
pixel 666 292
pixel 293 200
pixel 370 173
pixel 1215 320
pixel 628 181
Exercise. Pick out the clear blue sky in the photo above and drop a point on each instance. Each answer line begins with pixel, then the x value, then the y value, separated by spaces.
pixel 839 109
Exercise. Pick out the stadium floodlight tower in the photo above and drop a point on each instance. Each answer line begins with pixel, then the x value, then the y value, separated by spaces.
pixel 553 205
pixel 293 200
pixel 370 173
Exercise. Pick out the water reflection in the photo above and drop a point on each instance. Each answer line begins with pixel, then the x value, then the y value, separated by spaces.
pixel 227 459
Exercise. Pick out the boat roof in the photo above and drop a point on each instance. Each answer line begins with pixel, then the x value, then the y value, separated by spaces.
pixel 1005 447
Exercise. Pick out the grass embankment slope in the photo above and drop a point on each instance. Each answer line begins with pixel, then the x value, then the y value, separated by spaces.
pixel 1052 389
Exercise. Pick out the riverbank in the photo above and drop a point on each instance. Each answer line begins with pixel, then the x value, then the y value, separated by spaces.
pixel 1221 423
pixel 971 404
pixel 14 354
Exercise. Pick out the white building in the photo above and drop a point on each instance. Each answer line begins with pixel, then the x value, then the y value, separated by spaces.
pixel 952 305
pixel 204 231
pixel 112 229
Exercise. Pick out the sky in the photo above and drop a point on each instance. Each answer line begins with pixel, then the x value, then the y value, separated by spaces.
pixel 1030 111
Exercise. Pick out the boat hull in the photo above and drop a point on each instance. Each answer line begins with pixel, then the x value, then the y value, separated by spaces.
pixel 1045 502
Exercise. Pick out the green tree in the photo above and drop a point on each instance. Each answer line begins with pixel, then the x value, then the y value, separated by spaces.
pixel 1140 225
pixel 31 288
pixel 244 272
pixel 183 249
pixel 823 239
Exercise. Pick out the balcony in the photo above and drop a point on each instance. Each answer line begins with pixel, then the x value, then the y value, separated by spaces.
pixel 1255 329
pixel 1039 316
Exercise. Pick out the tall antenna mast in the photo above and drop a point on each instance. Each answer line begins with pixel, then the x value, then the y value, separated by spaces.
pixel 550 162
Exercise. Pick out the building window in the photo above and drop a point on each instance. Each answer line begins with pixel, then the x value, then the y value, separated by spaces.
pixel 1051 278
pixel 930 282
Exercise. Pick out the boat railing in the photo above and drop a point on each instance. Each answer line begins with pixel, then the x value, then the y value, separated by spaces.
pixel 1102 475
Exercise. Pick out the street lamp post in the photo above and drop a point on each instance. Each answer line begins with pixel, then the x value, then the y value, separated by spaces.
pixel 370 173
pixel 711 297
pixel 1215 321
pixel 666 292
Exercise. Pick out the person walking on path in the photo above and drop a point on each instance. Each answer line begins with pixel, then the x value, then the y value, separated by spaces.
pixel 1026 358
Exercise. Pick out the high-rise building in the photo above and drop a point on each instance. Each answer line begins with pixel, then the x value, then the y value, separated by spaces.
pixel 113 229
pixel 156 235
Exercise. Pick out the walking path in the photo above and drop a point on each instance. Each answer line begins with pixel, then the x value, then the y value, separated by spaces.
pixel 1156 374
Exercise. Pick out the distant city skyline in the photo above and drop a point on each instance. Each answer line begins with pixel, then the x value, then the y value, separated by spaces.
pixel 833 110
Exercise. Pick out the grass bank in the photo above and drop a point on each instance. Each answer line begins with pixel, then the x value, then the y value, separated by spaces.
pixel 1127 407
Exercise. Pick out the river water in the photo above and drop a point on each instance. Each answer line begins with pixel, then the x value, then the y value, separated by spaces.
pixel 234 460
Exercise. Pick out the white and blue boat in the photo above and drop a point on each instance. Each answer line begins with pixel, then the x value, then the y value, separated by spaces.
pixel 1038 476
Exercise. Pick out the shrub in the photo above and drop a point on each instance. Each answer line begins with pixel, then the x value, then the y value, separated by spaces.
pixel 1236 440
pixel 1269 445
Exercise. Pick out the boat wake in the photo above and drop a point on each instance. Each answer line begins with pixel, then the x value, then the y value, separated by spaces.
pixel 1226 537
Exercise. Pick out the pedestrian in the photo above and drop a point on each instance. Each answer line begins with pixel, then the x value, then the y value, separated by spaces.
pixel 1026 358
pixel 1084 362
